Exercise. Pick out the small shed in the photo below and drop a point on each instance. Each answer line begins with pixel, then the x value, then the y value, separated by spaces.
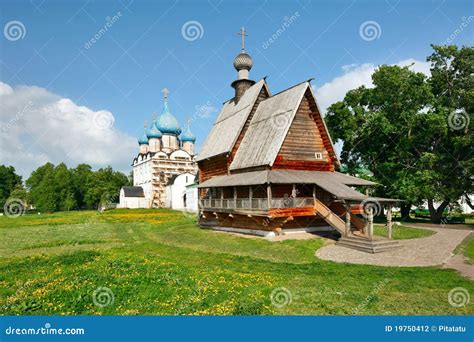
pixel 132 197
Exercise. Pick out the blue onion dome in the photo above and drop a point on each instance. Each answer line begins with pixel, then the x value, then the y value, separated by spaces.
pixel 153 132
pixel 188 136
pixel 143 140
pixel 167 123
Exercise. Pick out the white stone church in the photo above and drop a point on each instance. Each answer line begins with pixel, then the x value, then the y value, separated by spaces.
pixel 164 171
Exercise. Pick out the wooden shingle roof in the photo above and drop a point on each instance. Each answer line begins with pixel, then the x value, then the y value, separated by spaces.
pixel 229 123
pixel 283 177
pixel 336 183
pixel 268 128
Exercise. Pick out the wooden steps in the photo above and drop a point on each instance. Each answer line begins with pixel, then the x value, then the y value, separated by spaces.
pixel 339 209
pixel 377 244
pixel 329 216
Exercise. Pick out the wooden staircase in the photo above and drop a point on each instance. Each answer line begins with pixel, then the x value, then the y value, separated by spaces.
pixel 375 244
pixel 339 209
pixel 329 216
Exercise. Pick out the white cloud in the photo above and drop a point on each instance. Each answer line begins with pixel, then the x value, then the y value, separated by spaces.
pixel 38 126
pixel 5 89
pixel 354 76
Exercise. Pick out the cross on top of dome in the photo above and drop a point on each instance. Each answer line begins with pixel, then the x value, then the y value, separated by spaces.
pixel 243 35
pixel 165 92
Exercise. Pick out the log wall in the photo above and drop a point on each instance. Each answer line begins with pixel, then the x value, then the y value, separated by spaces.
pixel 303 140
pixel 259 222
pixel 211 167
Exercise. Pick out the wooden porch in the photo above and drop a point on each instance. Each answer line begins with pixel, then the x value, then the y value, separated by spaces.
pixel 292 201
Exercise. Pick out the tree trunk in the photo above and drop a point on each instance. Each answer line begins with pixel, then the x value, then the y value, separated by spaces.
pixel 436 214
pixel 405 211
pixel 468 201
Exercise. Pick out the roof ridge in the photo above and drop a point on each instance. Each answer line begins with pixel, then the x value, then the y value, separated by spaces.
pixel 293 86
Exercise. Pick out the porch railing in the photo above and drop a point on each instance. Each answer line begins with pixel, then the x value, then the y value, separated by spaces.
pixel 256 203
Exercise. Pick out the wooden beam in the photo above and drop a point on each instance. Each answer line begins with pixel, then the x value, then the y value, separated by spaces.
pixel 389 221
pixel 269 195
pixel 348 219
pixel 371 222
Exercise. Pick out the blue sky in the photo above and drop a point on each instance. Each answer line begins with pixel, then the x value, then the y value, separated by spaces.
pixel 144 50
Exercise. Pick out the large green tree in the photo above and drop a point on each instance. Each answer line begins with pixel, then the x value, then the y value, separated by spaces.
pixel 402 130
pixel 54 188
pixel 42 188
pixel 8 181
pixel 81 176
pixel 104 186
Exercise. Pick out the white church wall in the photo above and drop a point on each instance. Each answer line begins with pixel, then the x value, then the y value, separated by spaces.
pixel 192 198
pixel 188 146
pixel 154 145
pixel 168 203
pixel 177 190
pixel 143 148
pixel 180 154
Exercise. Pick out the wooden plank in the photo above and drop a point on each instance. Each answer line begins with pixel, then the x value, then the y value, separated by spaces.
pixel 329 216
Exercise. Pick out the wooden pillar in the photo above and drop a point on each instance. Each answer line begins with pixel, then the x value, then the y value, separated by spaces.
pixel 348 219
pixel 371 222
pixel 250 196
pixel 235 197
pixel 222 197
pixel 389 221
pixel 210 197
pixel 293 196
pixel 269 196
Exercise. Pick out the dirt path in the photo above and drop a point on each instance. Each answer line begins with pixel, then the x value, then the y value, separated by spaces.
pixel 434 250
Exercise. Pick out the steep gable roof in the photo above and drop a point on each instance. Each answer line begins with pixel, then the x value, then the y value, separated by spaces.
pixel 229 123
pixel 268 128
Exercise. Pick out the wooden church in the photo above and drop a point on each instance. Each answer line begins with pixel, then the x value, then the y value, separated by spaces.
pixel 269 167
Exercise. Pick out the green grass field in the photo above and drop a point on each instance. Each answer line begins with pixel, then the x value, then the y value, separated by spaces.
pixel 467 249
pixel 159 262
pixel 402 232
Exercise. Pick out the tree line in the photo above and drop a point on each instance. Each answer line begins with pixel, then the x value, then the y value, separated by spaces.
pixel 413 132
pixel 59 188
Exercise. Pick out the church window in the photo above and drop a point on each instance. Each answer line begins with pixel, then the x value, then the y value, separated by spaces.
pixel 318 155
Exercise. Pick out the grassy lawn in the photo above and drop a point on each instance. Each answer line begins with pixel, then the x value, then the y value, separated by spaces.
pixel 159 262
pixel 467 248
pixel 402 232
